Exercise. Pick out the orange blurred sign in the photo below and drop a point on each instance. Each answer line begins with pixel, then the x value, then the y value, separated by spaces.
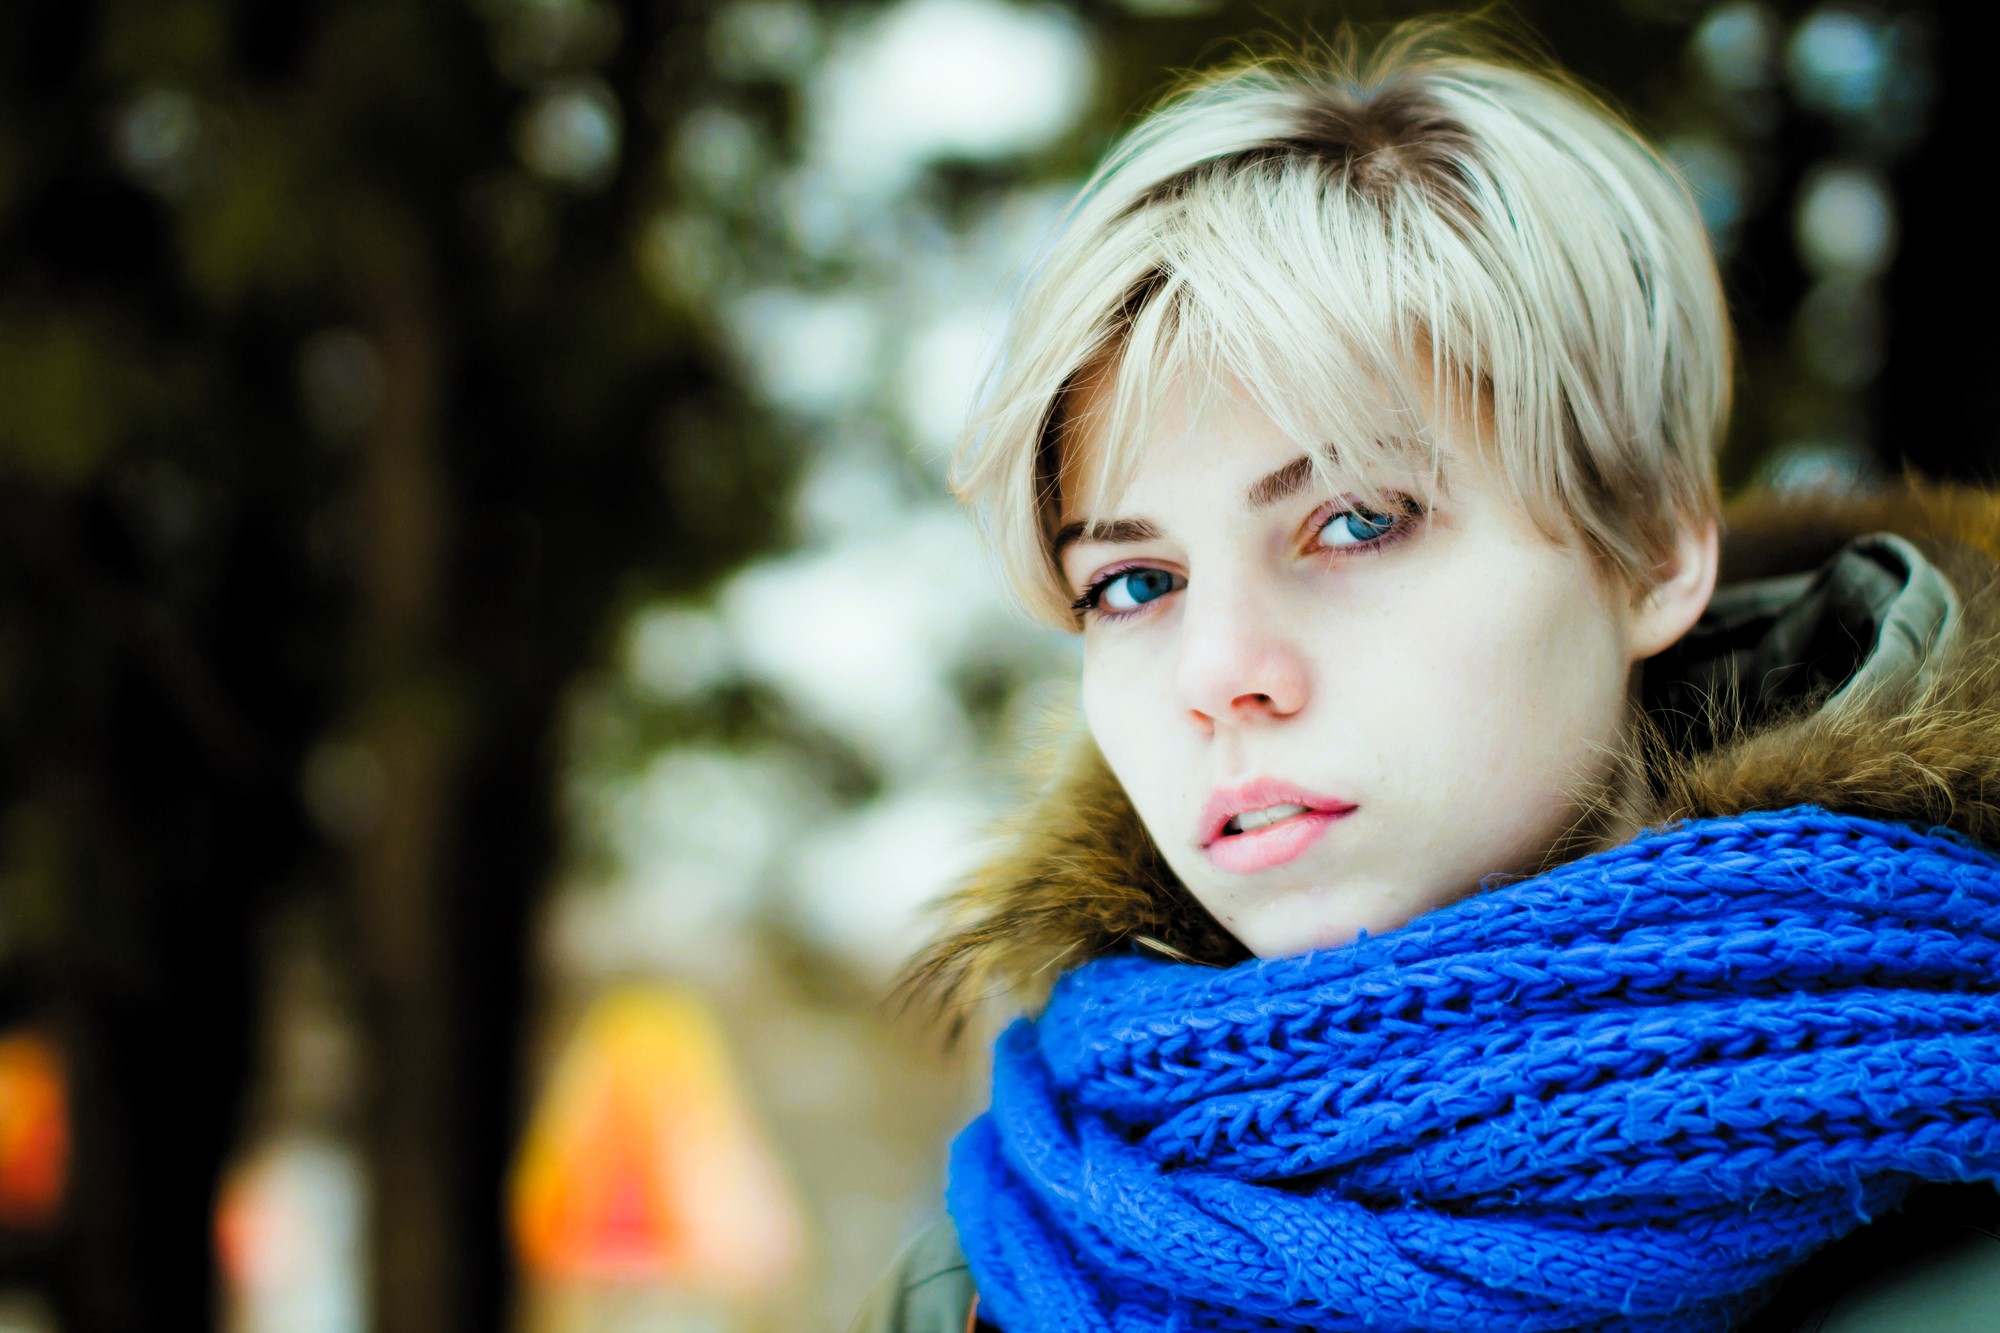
pixel 34 1130
pixel 642 1161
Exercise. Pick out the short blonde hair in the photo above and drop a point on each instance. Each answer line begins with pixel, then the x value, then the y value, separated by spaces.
pixel 1312 227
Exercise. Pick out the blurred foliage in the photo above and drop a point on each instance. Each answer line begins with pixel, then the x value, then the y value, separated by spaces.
pixel 373 373
pixel 331 437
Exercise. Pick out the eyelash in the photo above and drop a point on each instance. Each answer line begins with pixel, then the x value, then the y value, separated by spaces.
pixel 1408 508
pixel 1088 604
pixel 1405 507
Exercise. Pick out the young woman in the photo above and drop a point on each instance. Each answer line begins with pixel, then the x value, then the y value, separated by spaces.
pixel 1460 915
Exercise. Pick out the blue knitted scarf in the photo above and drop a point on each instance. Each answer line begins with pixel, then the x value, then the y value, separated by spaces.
pixel 1626 1094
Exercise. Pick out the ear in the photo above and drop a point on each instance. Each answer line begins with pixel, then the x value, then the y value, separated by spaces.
pixel 1670 607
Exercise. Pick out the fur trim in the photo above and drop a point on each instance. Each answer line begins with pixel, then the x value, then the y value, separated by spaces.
pixel 1079 877
pixel 1925 753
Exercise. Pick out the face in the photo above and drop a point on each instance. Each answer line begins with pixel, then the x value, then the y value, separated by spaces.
pixel 1331 718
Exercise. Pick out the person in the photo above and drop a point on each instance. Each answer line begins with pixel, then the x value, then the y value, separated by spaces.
pixel 1453 911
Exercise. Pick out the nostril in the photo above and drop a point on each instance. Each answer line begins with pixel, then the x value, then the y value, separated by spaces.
pixel 1246 707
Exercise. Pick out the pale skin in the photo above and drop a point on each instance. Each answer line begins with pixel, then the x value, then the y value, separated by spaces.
pixel 1456 677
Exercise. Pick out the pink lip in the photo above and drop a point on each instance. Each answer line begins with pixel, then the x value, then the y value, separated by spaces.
pixel 1274 844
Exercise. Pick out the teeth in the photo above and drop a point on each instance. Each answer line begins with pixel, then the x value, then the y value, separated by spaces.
pixel 1252 820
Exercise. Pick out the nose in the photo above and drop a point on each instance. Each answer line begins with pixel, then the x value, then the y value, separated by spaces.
pixel 1238 660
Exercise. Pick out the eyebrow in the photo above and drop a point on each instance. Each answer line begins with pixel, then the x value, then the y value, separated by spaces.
pixel 1267 490
pixel 1281 484
pixel 1114 530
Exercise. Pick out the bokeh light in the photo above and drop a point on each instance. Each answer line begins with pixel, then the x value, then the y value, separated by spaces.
pixel 34 1131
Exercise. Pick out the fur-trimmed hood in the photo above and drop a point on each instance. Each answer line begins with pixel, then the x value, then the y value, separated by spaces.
pixel 1859 676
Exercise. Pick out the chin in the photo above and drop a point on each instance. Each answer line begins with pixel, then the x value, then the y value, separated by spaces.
pixel 1286 938
pixel 1300 922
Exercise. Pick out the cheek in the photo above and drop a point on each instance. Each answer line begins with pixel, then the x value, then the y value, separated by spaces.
pixel 1124 701
pixel 1129 709
pixel 1491 695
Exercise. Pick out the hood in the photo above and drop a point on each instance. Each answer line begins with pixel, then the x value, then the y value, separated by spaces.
pixel 1847 661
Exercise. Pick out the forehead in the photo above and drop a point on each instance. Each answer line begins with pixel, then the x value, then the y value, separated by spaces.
pixel 1208 434
pixel 1125 436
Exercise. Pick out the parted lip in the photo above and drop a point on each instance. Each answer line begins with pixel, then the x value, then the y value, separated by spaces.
pixel 1225 803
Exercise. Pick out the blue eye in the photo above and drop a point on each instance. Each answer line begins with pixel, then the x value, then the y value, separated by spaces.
pixel 1133 588
pixel 1351 527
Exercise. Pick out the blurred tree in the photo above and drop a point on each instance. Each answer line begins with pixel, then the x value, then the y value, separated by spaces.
pixel 1933 410
pixel 332 427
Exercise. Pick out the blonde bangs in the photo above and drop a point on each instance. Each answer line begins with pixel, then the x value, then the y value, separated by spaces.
pixel 1315 241
pixel 1329 362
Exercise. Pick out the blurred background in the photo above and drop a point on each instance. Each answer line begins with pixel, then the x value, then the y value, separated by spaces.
pixel 489 671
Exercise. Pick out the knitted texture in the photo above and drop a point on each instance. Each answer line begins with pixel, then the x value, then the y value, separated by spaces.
pixel 1626 1094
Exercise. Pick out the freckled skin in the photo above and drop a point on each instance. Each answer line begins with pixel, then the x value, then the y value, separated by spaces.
pixel 1461 687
